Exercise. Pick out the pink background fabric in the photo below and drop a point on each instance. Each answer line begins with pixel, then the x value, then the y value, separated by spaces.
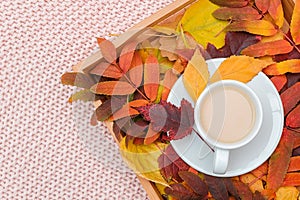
pixel 47 148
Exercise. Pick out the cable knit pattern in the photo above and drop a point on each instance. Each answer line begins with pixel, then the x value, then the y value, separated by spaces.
pixel 47 148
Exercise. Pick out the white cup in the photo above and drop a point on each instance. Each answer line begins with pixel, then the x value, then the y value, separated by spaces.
pixel 228 115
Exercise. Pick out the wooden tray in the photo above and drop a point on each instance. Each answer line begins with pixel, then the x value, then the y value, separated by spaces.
pixel 91 61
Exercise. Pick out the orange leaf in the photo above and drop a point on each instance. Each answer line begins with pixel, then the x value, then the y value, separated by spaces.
pixel 136 70
pixel 151 77
pixel 295 23
pixel 127 56
pixel 107 70
pixel 279 81
pixel 261 171
pixel 276 12
pixel 77 79
pixel 113 88
pixel 268 48
pixel 279 161
pixel 258 27
pixel 128 109
pixel 294 164
pixel 262 5
pixel 290 97
pixel 292 65
pixel 292 179
pixel 230 3
pixel 151 135
pixel 168 82
pixel 240 68
pixel 245 13
pixel 293 118
pixel 108 50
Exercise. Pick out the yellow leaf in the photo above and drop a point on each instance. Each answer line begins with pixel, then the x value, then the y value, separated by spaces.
pixel 284 193
pixel 200 23
pixel 292 66
pixel 295 23
pixel 240 68
pixel 254 183
pixel 142 159
pixel 196 75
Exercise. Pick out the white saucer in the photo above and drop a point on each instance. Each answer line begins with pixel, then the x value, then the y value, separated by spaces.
pixel 242 160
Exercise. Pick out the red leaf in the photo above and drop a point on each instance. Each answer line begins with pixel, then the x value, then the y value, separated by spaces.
pixel 108 50
pixel 127 56
pixel 295 23
pixel 105 110
pixel 292 179
pixel 179 191
pixel 168 82
pixel 230 3
pixel 268 48
pixel 178 122
pixel 294 164
pixel 77 79
pixel 293 118
pixel 262 5
pixel 290 97
pixel 245 13
pixel 136 70
pixel 217 187
pixel 113 88
pixel 235 42
pixel 107 70
pixel 151 77
pixel 170 164
pixel 279 81
pixel 194 182
pixel 151 135
pixel 137 128
pixel 279 161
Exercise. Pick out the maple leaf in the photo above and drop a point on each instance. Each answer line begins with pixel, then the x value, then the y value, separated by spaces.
pixel 177 122
pixel 235 42
pixel 279 161
pixel 170 164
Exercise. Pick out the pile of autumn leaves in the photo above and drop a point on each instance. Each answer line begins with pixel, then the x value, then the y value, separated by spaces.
pixel 133 87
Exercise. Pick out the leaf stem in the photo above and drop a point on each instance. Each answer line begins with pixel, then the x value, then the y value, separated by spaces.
pixel 203 140
pixel 291 129
pixel 223 28
pixel 291 41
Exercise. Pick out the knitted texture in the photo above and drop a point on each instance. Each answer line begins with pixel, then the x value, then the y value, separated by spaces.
pixel 47 148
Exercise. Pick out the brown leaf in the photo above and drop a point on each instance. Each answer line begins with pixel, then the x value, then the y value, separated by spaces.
pixel 108 50
pixel 258 27
pixel 105 110
pixel 245 13
pixel 279 161
pixel 230 3
pixel 170 164
pixel 254 183
pixel 168 82
pixel 83 95
pixel 137 129
pixel 113 88
pixel 151 77
pixel 276 12
pixel 292 179
pixel 126 56
pixel 290 97
pixel 262 5
pixel 293 118
pixel 294 164
pixel 283 67
pixel 243 190
pixel 136 70
pixel 240 68
pixel 268 48
pixel 77 79
pixel 216 187
pixel 179 191
pixel 194 182
pixel 279 81
pixel 261 171
pixel 108 70
pixel 295 23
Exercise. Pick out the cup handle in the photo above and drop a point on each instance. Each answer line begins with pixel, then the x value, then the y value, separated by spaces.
pixel 221 160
